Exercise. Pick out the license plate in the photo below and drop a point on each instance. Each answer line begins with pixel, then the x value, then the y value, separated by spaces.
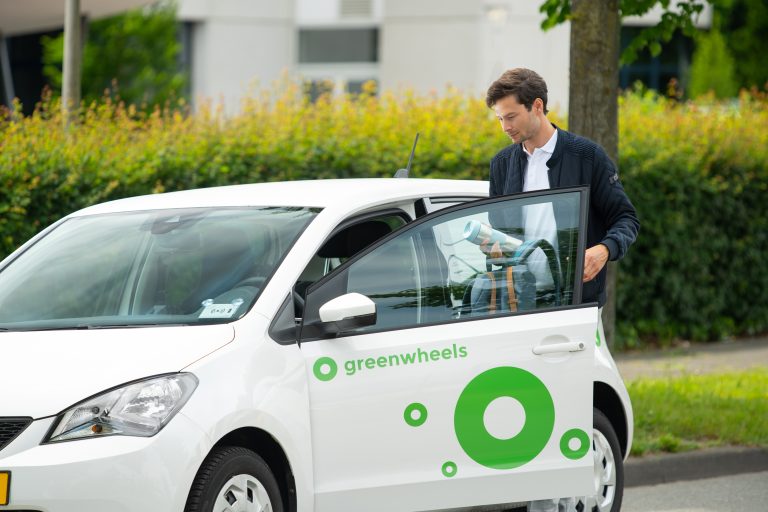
pixel 5 487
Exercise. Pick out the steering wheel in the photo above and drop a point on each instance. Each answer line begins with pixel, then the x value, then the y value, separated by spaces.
pixel 528 248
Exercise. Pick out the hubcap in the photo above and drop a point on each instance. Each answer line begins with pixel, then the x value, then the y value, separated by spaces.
pixel 604 475
pixel 242 493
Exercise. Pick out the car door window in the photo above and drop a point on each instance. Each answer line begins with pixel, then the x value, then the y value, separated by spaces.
pixel 437 271
pixel 345 243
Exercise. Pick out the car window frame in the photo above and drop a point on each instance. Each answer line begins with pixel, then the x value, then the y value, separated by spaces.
pixel 281 333
pixel 578 276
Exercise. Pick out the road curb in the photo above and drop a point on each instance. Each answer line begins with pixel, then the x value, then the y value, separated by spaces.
pixel 708 463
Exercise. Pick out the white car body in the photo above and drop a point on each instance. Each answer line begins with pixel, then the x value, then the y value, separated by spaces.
pixel 335 444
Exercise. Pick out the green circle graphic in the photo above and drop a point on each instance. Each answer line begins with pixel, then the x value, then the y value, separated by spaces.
pixel 320 364
pixel 449 469
pixel 418 420
pixel 574 433
pixel 510 453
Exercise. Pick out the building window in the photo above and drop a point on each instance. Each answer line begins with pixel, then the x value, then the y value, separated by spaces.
pixel 314 89
pixel 359 86
pixel 338 45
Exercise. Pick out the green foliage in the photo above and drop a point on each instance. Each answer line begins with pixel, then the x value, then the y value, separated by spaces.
pixel 679 16
pixel 696 172
pixel 744 23
pixel 693 411
pixel 138 51
pixel 712 70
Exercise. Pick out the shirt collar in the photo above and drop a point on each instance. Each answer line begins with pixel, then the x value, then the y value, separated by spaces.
pixel 549 147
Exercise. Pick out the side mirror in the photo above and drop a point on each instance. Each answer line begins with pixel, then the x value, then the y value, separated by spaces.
pixel 347 312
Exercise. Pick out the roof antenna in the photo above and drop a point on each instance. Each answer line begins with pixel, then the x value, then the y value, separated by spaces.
pixel 403 173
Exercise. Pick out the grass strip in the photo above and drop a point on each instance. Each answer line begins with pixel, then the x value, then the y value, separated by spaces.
pixel 698 411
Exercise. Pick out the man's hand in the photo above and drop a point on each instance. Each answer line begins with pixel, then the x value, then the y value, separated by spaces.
pixel 493 251
pixel 594 261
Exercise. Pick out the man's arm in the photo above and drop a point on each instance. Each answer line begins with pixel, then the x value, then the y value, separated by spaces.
pixel 618 214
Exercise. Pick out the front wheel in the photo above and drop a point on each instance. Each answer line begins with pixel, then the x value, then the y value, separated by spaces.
pixel 608 469
pixel 234 479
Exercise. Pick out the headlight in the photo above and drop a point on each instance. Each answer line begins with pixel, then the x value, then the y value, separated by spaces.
pixel 138 409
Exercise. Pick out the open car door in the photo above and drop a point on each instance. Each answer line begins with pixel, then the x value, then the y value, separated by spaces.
pixel 440 378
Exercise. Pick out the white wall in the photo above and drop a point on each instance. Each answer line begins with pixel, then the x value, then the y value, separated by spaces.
pixel 429 44
pixel 512 37
pixel 328 12
pixel 238 45
pixel 424 44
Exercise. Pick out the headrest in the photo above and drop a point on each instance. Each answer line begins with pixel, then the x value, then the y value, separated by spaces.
pixel 355 238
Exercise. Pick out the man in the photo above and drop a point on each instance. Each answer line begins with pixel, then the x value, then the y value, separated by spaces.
pixel 543 156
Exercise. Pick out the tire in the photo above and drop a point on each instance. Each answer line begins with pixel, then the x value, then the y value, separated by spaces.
pixel 609 468
pixel 234 479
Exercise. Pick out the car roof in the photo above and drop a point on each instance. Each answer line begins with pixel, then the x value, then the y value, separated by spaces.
pixel 351 194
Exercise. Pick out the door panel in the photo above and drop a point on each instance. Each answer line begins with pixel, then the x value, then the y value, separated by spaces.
pixel 400 425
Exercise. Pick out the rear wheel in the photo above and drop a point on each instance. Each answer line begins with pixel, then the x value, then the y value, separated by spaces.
pixel 608 468
pixel 234 479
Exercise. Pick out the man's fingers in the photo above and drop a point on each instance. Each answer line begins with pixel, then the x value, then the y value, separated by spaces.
pixel 590 268
pixel 496 251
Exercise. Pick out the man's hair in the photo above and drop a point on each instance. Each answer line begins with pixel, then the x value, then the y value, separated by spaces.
pixel 525 84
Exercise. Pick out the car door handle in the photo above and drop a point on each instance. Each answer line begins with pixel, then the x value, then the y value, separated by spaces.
pixel 571 346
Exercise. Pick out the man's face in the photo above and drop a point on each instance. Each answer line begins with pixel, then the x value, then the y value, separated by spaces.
pixel 516 121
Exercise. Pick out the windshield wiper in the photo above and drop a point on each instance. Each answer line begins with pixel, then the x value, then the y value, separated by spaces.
pixel 128 326
pixel 88 327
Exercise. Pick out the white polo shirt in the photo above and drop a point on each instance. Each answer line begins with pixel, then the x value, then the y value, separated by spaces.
pixel 536 175
pixel 539 219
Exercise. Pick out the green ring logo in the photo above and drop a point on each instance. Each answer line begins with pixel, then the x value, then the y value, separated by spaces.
pixel 449 469
pixel 580 436
pixel 415 414
pixel 504 381
pixel 325 369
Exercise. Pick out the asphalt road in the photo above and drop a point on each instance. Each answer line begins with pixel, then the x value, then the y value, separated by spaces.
pixel 733 493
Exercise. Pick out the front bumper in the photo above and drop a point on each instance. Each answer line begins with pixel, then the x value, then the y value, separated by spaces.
pixel 117 473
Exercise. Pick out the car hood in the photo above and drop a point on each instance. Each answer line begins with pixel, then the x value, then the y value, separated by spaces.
pixel 43 373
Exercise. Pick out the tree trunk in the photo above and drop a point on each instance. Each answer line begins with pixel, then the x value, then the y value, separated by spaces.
pixel 594 95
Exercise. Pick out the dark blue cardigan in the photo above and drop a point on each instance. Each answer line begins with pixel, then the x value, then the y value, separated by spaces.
pixel 576 161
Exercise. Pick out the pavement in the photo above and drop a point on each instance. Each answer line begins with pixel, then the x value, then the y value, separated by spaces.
pixel 696 358
pixel 705 358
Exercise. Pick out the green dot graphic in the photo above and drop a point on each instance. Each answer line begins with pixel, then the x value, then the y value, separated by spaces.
pixel 449 469
pixel 583 439
pixel 415 414
pixel 597 337
pixel 468 417
pixel 325 369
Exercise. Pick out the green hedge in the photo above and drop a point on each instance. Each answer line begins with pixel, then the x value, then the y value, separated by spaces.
pixel 696 173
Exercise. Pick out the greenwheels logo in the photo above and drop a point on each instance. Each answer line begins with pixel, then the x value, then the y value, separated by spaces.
pixel 325 369
pixel 491 451
pixel 468 419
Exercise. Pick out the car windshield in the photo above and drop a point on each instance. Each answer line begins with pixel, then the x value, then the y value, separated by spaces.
pixel 168 267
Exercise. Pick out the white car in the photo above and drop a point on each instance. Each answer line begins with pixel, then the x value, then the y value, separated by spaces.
pixel 326 346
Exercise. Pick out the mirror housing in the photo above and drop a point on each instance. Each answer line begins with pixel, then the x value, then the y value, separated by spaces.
pixel 349 311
